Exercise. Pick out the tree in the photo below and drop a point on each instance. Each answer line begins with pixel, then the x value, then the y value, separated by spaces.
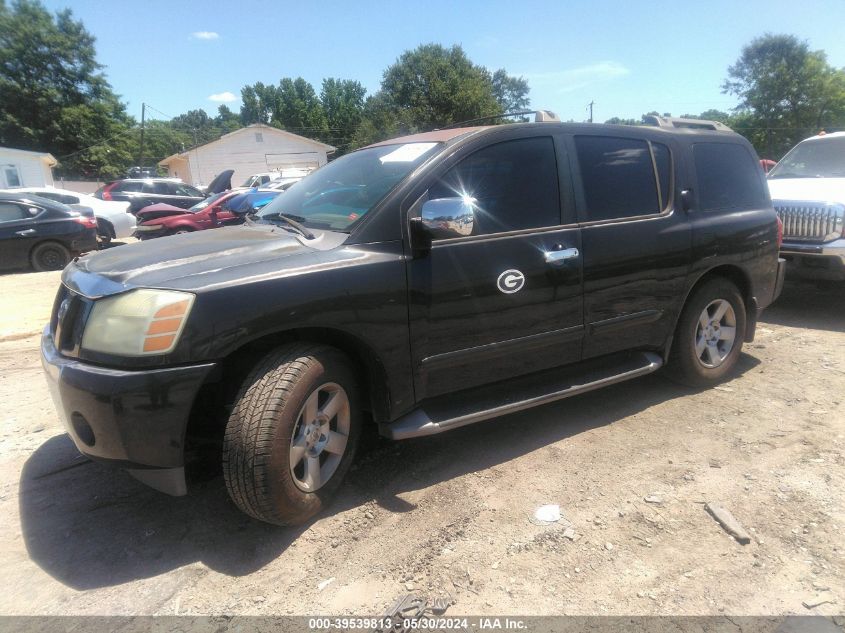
pixel 298 108
pixel 258 103
pixel 343 105
pixel 53 95
pixel 226 120
pixel 789 91
pixel 432 86
pixel 510 92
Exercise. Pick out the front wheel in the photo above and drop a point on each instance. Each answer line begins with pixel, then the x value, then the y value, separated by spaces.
pixel 709 337
pixel 292 433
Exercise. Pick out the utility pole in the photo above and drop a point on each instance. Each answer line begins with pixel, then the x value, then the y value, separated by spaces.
pixel 141 153
pixel 590 105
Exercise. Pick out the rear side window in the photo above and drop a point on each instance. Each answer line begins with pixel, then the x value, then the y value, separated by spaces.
pixel 728 177
pixel 515 185
pixel 185 190
pixel 619 179
pixel 58 197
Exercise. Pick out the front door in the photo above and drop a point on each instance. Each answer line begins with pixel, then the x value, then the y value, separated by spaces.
pixel 505 300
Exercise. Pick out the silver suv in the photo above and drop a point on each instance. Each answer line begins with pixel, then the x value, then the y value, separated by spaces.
pixel 808 192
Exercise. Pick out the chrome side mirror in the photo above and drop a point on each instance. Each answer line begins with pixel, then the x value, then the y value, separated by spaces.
pixel 444 218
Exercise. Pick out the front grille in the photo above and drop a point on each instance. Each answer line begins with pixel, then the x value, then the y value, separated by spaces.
pixel 67 321
pixel 810 221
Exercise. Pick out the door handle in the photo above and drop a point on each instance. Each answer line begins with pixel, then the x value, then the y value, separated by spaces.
pixel 25 233
pixel 561 255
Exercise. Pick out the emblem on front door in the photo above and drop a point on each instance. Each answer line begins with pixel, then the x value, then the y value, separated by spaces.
pixel 511 281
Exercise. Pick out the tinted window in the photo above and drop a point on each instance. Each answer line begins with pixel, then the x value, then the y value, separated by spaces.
pixel 728 177
pixel 58 197
pixel 618 177
pixel 514 184
pixel 9 212
pixel 185 190
pixel 128 186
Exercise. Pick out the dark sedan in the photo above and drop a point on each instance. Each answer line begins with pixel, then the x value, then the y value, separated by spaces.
pixel 42 233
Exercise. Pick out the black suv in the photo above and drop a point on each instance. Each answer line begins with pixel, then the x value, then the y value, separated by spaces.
pixel 142 192
pixel 422 284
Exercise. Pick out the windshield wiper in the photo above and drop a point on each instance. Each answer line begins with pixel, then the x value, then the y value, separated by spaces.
pixel 290 221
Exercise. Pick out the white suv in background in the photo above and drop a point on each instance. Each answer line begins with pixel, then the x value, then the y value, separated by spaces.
pixel 808 192
pixel 113 218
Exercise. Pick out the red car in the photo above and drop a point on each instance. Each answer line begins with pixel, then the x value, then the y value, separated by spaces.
pixel 226 208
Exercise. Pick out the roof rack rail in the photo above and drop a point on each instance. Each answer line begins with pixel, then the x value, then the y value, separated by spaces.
pixel 673 122
pixel 540 116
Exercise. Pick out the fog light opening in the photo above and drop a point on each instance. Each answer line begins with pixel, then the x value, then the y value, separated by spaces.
pixel 82 429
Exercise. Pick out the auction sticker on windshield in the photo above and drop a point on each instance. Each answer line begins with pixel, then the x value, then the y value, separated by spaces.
pixel 407 153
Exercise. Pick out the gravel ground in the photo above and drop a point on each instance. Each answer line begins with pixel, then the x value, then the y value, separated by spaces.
pixel 630 466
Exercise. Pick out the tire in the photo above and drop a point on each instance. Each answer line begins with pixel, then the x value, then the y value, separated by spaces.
pixel 702 355
pixel 49 256
pixel 268 430
pixel 105 231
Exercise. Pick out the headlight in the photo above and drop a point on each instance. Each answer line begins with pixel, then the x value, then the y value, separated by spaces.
pixel 137 323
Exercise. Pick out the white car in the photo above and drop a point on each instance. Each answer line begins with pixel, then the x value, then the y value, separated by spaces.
pixel 113 218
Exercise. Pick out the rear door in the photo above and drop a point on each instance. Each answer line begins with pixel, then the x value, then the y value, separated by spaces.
pixel 636 240
pixel 489 306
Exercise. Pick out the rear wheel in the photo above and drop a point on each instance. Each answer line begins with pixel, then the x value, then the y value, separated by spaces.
pixel 710 333
pixel 105 231
pixel 49 256
pixel 292 433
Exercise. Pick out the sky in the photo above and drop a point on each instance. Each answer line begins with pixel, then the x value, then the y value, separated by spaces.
pixel 627 57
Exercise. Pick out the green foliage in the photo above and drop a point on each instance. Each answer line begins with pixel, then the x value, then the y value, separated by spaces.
pixel 433 86
pixel 787 92
pixel 53 95
pixel 298 109
pixel 343 105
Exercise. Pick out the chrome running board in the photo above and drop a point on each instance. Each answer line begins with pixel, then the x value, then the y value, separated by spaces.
pixel 452 412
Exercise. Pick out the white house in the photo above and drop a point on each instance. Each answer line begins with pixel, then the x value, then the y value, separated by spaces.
pixel 22 168
pixel 250 150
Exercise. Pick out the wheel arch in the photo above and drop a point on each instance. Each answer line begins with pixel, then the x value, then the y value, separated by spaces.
pixel 741 279
pixel 105 227
pixel 222 385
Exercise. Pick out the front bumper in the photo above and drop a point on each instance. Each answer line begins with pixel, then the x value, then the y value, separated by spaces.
pixel 132 419
pixel 815 261
pixel 143 232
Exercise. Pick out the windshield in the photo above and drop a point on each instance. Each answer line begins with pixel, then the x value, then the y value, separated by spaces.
pixel 199 206
pixel 342 192
pixel 823 158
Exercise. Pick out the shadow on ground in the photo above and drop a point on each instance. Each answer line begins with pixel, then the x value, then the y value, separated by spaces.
pixel 89 526
pixel 809 305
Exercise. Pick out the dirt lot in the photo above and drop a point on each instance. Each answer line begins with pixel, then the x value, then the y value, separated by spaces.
pixel 451 515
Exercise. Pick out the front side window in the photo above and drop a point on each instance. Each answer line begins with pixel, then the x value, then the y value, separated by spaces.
pixel 619 179
pixel 341 193
pixel 819 158
pixel 513 185
pixel 728 177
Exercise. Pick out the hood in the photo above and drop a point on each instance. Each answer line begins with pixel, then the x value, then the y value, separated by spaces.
pixel 809 189
pixel 159 210
pixel 221 182
pixel 197 261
